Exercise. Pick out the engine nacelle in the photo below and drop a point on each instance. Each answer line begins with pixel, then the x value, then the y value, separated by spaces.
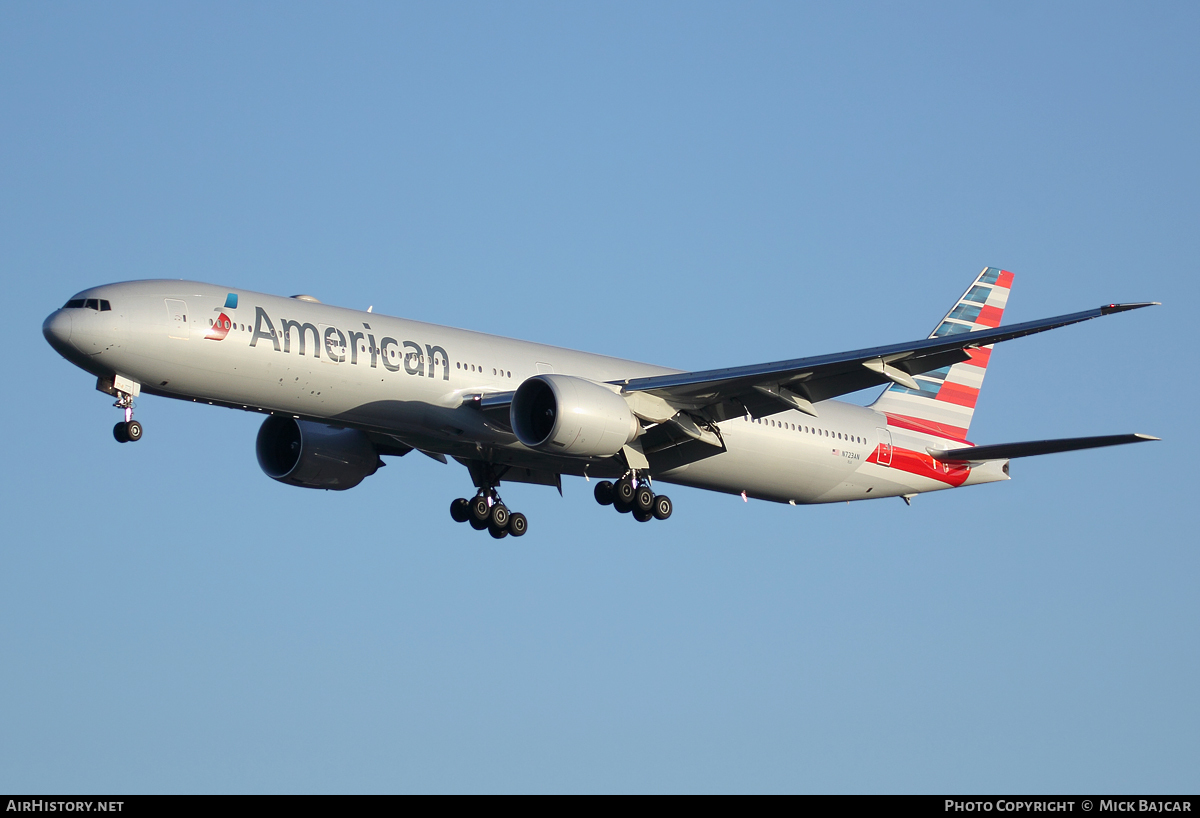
pixel 561 414
pixel 313 455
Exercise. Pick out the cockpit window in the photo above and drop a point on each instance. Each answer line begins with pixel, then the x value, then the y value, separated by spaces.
pixel 98 304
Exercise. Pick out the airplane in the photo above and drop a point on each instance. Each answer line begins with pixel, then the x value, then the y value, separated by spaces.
pixel 343 388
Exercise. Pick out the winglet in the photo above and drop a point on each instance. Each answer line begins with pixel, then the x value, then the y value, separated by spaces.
pixel 1109 309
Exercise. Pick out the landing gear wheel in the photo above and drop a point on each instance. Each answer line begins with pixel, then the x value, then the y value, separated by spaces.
pixel 487 510
pixel 480 510
pixel 624 489
pixel 604 493
pixel 623 508
pixel 121 433
pixel 662 507
pixel 133 430
pixel 642 516
pixel 643 499
pixel 518 525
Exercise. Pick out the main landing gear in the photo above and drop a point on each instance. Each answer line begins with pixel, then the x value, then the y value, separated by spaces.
pixel 631 495
pixel 486 510
pixel 128 430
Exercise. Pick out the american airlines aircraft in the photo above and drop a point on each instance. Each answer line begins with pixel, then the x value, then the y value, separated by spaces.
pixel 342 387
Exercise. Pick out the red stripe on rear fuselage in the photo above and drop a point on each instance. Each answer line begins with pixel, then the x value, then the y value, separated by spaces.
pixel 923 465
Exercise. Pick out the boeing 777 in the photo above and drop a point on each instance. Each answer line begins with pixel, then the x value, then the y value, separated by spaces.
pixel 341 388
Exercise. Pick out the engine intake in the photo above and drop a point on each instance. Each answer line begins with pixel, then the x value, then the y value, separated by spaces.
pixel 562 414
pixel 313 455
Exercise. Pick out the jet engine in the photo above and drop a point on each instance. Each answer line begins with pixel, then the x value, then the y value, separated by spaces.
pixel 313 455
pixel 561 414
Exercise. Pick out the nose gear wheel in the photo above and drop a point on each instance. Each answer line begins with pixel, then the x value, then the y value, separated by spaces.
pixel 128 430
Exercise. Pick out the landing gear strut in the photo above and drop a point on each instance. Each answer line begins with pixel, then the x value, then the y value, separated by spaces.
pixel 128 430
pixel 633 495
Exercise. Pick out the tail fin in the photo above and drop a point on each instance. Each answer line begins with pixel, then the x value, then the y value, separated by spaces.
pixel 944 404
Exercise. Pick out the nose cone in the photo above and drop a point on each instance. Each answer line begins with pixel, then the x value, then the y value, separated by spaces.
pixel 57 329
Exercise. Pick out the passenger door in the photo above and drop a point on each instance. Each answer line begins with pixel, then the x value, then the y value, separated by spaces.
pixel 177 319
pixel 885 447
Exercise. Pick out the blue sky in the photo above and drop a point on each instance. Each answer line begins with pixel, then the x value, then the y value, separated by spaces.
pixel 691 184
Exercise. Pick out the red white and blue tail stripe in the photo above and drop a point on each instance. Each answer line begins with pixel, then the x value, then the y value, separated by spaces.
pixel 945 401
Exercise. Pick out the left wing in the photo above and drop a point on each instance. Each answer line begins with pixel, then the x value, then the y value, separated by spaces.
pixel 765 389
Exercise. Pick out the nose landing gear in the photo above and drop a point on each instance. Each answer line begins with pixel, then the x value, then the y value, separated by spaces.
pixel 128 430
pixel 633 495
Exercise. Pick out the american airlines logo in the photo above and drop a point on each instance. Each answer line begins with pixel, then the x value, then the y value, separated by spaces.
pixel 219 329
pixel 224 323
pixel 339 345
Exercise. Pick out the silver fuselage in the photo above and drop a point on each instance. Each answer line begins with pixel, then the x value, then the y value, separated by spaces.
pixel 415 382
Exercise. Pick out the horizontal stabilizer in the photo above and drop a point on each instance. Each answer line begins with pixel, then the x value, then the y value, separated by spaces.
pixel 1007 451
